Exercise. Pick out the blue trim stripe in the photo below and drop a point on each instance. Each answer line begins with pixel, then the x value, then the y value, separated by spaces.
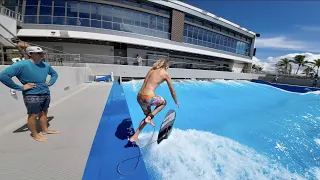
pixel 110 145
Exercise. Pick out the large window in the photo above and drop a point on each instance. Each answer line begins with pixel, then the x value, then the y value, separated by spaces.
pixel 77 13
pixel 210 39
pixel 31 11
pixel 45 12
pixel 216 27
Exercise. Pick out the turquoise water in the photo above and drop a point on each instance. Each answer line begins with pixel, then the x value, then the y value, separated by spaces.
pixel 232 130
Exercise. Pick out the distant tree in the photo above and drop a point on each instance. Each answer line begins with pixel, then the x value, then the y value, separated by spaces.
pixel 257 68
pixel 316 63
pixel 284 66
pixel 309 70
pixel 299 59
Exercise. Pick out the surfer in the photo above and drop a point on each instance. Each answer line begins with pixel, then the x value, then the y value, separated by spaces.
pixel 146 97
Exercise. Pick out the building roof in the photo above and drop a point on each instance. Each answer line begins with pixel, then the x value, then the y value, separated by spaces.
pixel 205 15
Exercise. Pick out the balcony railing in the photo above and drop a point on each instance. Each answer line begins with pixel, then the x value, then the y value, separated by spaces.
pixel 173 63
pixel 215 46
pixel 8 12
pixel 75 60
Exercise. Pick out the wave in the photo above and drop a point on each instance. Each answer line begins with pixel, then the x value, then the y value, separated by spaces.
pixel 193 154
pixel 313 92
pixel 318 142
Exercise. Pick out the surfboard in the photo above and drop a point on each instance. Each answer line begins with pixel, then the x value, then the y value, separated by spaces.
pixel 166 126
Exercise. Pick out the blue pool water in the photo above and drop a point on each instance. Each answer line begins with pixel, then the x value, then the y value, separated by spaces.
pixel 232 130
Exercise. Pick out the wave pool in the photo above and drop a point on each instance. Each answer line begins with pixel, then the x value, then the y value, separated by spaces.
pixel 232 130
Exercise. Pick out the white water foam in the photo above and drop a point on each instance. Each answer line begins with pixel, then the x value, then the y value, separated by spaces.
pixel 313 92
pixel 315 171
pixel 193 154
pixel 317 140
pixel 238 83
pixel 230 82
pixel 134 84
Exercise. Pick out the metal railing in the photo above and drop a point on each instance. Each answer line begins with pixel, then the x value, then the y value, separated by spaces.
pixel 215 46
pixel 54 59
pixel 103 25
pixel 8 12
pixel 58 59
pixel 75 60
pixel 296 76
pixel 105 59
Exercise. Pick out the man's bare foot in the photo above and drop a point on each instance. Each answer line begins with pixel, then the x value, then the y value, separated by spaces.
pixel 149 120
pixel 51 132
pixel 134 139
pixel 40 138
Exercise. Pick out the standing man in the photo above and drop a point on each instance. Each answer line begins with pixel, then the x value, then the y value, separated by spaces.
pixel 146 97
pixel 32 73
pixel 139 60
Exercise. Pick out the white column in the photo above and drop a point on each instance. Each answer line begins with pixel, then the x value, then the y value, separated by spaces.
pixel 2 54
pixel 253 45
pixel 112 78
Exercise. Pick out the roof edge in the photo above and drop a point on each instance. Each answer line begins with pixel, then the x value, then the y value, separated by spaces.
pixel 203 12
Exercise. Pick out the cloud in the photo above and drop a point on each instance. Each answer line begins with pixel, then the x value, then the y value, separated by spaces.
pixel 267 66
pixel 269 63
pixel 282 42
pixel 309 57
pixel 279 42
pixel 309 28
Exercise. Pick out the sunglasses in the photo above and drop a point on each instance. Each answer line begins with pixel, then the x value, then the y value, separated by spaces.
pixel 39 53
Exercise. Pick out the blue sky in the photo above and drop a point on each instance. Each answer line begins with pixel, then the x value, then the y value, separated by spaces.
pixel 285 26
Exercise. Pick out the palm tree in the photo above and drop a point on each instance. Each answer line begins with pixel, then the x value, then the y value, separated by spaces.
pixel 286 64
pixel 316 63
pixel 299 59
pixel 308 70
pixel 257 68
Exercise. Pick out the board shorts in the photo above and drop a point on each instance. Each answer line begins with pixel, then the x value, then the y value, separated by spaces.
pixel 36 103
pixel 146 101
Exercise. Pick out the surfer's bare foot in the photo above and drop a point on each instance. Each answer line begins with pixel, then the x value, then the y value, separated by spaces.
pixel 51 132
pixel 40 138
pixel 149 120
pixel 134 139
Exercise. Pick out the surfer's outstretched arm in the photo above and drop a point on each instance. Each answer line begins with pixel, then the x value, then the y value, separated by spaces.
pixel 173 92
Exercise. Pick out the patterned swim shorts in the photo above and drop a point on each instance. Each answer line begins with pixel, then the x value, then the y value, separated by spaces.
pixel 146 101
pixel 36 103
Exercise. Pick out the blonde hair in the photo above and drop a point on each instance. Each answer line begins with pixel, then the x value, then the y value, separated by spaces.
pixel 161 63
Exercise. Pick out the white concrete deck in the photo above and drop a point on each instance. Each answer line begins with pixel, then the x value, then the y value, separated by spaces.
pixel 63 156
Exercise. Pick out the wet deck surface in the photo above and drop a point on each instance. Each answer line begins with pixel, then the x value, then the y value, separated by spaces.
pixel 63 156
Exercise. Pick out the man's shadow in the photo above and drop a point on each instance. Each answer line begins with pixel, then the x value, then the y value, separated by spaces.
pixel 125 131
pixel 25 128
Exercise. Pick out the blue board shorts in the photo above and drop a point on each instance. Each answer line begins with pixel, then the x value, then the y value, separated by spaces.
pixel 36 103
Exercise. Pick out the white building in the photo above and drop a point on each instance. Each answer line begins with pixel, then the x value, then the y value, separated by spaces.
pixel 189 36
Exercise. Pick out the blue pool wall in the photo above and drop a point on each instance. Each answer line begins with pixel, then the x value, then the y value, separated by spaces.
pixel 111 146
pixel 287 87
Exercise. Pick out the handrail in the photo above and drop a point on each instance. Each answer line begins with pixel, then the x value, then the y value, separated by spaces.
pixel 124 28
pixel 241 54
pixel 60 59
pixel 8 12
pixel 106 59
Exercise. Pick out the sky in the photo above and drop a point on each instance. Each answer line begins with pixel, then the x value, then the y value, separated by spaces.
pixel 286 28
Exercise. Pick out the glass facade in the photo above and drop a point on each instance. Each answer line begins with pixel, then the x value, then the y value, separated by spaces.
pixel 202 37
pixel 78 13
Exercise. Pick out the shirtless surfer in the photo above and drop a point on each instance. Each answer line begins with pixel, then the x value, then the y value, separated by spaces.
pixel 146 97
